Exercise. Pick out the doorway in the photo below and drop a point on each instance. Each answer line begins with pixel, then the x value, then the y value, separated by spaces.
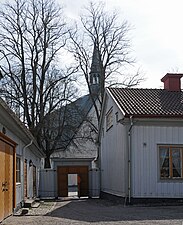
pixel 72 185
pixel 72 174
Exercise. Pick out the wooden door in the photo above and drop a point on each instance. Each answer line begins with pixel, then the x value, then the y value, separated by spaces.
pixel 6 180
pixel 62 174
pixel 83 174
pixel 2 178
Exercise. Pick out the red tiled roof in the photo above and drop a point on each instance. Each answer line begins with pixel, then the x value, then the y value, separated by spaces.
pixel 149 102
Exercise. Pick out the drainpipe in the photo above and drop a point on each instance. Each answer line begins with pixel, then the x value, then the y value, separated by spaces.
pixel 129 159
pixel 98 158
pixel 24 148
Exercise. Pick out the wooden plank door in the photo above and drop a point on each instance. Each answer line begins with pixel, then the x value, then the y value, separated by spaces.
pixel 62 181
pixel 6 180
pixel 2 178
pixel 83 174
pixel 8 193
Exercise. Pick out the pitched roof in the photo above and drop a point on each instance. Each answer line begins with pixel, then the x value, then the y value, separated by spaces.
pixel 149 102
pixel 74 115
pixel 19 124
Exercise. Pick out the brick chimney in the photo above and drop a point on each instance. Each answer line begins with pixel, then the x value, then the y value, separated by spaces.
pixel 172 81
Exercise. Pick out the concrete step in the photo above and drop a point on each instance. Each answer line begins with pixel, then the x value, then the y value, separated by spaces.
pixel 28 203
pixel 35 205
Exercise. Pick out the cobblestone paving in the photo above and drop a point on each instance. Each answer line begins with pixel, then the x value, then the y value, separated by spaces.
pixel 97 212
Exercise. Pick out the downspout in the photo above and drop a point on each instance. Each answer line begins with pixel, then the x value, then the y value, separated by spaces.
pixel 24 148
pixel 129 159
pixel 98 158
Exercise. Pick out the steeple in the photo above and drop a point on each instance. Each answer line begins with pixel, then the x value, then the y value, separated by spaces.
pixel 95 72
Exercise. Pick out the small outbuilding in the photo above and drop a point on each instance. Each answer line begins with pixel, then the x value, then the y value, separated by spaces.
pixel 141 142
pixel 20 160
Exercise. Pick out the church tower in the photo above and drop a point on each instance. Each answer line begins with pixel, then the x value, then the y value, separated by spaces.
pixel 95 72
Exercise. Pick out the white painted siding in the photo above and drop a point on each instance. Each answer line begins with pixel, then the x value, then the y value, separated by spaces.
pixel 145 168
pixel 29 155
pixel 18 195
pixel 94 178
pixel 13 134
pixel 47 183
pixel 113 155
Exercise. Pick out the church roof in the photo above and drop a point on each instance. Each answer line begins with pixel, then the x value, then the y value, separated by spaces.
pixel 73 114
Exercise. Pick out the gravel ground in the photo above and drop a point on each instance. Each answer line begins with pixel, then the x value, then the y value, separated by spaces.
pixel 97 212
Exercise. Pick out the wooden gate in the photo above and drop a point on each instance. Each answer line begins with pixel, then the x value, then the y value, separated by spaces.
pixel 7 176
pixel 62 175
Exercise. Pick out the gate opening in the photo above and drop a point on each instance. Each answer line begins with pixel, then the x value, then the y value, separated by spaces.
pixel 72 185
pixel 73 181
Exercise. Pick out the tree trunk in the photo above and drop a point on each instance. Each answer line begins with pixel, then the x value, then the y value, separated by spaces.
pixel 47 162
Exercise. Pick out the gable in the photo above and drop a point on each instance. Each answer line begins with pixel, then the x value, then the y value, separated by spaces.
pixel 71 117
pixel 110 108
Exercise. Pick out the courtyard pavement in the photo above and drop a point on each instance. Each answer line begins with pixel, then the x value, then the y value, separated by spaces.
pixel 97 212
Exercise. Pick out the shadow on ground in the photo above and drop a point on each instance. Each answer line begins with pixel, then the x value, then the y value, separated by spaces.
pixel 96 210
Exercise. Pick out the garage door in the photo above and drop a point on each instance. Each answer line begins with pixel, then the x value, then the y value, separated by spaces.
pixel 6 179
pixel 62 173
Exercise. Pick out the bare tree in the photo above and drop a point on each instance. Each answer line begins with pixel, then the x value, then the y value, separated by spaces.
pixel 32 35
pixel 103 30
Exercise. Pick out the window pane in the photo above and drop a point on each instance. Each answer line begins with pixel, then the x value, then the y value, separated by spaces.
pixel 18 170
pixel 18 163
pixel 164 152
pixel 164 172
pixel 176 153
pixel 164 162
pixel 176 172
pixel 176 162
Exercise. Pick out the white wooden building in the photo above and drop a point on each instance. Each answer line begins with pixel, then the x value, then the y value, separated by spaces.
pixel 20 160
pixel 141 142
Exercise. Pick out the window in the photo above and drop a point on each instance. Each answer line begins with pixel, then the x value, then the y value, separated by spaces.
pixel 18 170
pixel 109 119
pixel 170 158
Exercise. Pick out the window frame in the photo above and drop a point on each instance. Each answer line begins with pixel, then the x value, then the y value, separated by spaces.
pixel 109 119
pixel 18 170
pixel 169 148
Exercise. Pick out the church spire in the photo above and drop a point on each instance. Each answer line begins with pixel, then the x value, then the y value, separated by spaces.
pixel 95 71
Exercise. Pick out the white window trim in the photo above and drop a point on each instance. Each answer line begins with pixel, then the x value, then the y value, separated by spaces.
pixel 18 182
